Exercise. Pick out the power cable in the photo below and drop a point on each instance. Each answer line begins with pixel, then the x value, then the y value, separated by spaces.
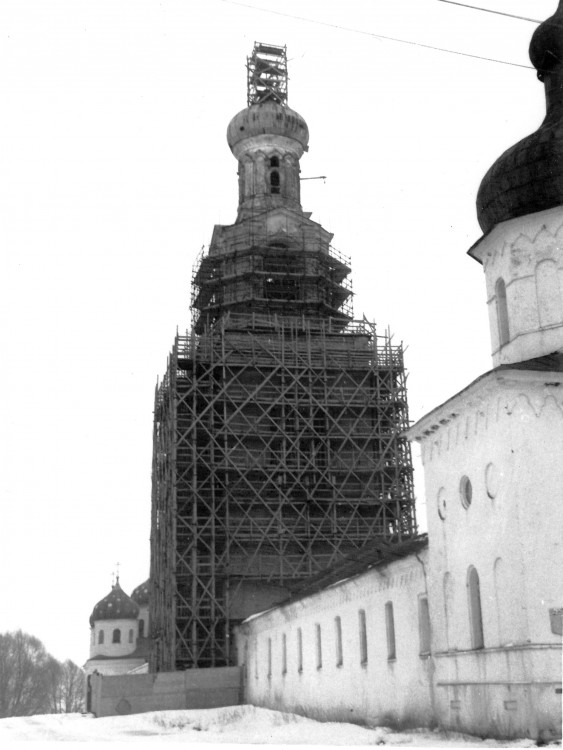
pixel 488 10
pixel 376 36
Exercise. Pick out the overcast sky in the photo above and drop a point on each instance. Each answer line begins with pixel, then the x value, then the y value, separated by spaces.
pixel 115 168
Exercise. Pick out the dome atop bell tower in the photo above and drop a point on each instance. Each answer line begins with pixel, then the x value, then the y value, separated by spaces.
pixel 267 138
pixel 528 177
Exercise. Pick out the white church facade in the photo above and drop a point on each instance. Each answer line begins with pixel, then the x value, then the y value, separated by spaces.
pixel 462 629
pixel 119 627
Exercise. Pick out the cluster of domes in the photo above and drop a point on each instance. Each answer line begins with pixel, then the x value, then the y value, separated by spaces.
pixel 118 606
pixel 529 176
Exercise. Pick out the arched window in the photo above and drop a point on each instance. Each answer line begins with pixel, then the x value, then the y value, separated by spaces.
pixel 141 628
pixel 474 602
pixel 274 182
pixel 131 635
pixel 319 645
pixel 448 592
pixel 502 313
pixel 390 627
pixel 101 636
pixel 274 161
pixel 284 654
pixel 338 640
pixel 116 636
pixel 423 625
pixel 363 637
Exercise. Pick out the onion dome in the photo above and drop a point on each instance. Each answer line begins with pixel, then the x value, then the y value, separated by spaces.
pixel 140 595
pixel 115 606
pixel 268 118
pixel 529 176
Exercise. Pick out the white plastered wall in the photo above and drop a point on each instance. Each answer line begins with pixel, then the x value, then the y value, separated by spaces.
pixel 384 691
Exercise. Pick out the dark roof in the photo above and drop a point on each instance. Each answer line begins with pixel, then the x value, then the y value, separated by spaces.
pixel 528 177
pixel 547 363
pixel 115 606
pixel 371 555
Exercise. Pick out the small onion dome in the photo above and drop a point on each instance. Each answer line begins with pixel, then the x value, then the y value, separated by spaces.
pixel 529 176
pixel 115 606
pixel 268 118
pixel 141 593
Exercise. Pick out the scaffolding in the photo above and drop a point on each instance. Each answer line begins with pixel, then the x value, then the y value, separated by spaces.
pixel 267 74
pixel 278 449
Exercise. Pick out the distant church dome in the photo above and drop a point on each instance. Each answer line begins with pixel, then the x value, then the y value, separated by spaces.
pixel 269 118
pixel 140 595
pixel 529 176
pixel 115 606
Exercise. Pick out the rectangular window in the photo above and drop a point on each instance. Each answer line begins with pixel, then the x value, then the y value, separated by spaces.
pixel 319 646
pixel 256 658
pixel 299 650
pixel 390 626
pixel 338 640
pixel 423 625
pixel 284 654
pixel 363 636
pixel 269 657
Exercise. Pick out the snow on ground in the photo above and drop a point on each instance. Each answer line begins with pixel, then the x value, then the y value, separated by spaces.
pixel 234 725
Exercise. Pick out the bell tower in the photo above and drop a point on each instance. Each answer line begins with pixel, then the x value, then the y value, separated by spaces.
pixel 279 426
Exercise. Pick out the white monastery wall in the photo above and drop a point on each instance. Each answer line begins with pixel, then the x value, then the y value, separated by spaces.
pixel 349 682
pixel 505 434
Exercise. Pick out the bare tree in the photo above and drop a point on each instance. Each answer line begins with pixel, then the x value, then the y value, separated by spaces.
pixel 25 673
pixel 32 681
pixel 71 688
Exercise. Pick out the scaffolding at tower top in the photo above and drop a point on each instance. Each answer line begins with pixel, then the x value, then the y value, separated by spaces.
pixel 267 74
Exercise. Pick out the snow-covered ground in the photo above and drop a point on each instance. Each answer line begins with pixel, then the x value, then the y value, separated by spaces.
pixel 235 725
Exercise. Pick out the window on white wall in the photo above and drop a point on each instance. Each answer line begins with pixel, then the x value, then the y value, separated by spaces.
pixel 390 628
pixel 101 636
pixel 319 645
pixel 363 636
pixel 502 312
pixel 284 654
pixel 299 650
pixel 269 657
pixel 423 625
pixel 475 614
pixel 130 635
pixel 338 640
pixel 448 604
pixel 116 636
pixel 256 658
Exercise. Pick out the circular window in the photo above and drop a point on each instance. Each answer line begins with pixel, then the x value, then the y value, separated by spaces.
pixel 466 491
pixel 442 503
pixel 491 480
